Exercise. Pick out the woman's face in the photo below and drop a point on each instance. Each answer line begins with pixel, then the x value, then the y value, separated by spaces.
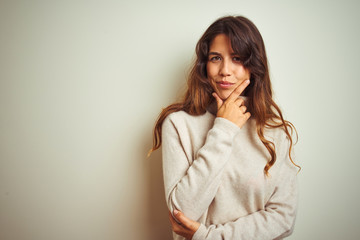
pixel 224 69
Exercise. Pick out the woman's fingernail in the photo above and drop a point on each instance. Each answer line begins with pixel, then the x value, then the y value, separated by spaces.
pixel 176 212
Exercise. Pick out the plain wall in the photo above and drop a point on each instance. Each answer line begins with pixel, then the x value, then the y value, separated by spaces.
pixel 82 82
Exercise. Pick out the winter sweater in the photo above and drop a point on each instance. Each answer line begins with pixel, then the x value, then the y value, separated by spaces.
pixel 214 173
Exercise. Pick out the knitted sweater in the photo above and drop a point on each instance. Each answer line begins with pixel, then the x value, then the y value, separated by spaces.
pixel 214 174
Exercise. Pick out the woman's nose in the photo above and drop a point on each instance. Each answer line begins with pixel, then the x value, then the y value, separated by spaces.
pixel 225 69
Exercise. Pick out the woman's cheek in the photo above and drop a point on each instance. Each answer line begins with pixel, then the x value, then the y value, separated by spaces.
pixel 213 84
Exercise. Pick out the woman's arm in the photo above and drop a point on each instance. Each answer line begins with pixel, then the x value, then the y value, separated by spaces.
pixel 275 221
pixel 191 184
pixel 191 188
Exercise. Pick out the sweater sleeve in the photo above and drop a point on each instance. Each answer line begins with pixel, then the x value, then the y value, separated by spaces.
pixel 191 184
pixel 275 221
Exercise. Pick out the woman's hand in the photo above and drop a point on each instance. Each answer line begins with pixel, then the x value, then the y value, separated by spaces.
pixel 232 108
pixel 186 227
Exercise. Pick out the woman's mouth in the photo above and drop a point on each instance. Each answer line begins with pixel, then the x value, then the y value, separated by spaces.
pixel 225 84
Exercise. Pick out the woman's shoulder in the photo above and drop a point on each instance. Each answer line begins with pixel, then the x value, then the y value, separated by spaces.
pixel 283 142
pixel 275 130
pixel 184 116
pixel 274 133
pixel 181 119
pixel 280 139
pixel 178 115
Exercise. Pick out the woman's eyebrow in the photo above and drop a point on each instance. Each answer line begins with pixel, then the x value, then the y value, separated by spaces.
pixel 214 53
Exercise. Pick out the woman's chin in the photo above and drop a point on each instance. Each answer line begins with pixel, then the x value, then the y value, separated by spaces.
pixel 224 95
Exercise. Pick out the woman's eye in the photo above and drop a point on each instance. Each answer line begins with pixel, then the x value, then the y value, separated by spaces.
pixel 215 58
pixel 236 59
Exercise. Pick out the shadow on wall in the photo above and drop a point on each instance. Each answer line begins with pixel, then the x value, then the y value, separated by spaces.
pixel 159 225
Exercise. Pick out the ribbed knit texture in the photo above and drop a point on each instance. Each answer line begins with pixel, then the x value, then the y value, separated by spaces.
pixel 214 174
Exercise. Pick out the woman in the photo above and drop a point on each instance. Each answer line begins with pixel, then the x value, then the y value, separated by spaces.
pixel 227 162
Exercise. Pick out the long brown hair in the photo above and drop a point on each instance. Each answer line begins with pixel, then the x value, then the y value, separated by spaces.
pixel 247 42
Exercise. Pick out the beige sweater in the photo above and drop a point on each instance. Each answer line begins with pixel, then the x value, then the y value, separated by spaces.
pixel 214 173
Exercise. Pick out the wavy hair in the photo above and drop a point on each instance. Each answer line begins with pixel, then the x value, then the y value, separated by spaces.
pixel 247 42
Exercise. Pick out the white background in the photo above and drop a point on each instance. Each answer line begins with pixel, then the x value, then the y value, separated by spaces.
pixel 82 83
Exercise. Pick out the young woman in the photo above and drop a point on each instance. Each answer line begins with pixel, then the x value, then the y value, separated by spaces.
pixel 226 148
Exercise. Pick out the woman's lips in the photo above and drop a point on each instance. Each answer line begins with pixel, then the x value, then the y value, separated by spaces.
pixel 225 84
